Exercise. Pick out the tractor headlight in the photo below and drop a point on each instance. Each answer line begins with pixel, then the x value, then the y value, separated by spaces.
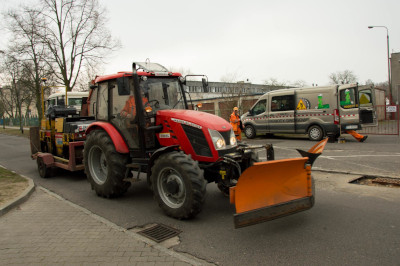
pixel 232 139
pixel 217 139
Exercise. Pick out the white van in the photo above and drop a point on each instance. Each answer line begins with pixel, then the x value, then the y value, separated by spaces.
pixel 316 111
pixel 73 99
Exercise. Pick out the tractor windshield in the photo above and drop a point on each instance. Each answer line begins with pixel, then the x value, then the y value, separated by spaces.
pixel 163 93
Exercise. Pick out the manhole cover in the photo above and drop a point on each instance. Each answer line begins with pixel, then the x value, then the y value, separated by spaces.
pixel 159 232
pixel 377 181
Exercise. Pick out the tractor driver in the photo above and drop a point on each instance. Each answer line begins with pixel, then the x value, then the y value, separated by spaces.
pixel 129 110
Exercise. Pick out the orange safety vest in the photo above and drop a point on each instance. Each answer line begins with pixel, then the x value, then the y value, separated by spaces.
pixel 130 105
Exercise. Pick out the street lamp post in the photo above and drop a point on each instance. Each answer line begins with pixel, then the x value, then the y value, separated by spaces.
pixel 388 59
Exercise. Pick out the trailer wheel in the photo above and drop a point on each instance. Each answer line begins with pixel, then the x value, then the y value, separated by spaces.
pixel 250 132
pixel 104 167
pixel 44 172
pixel 315 133
pixel 178 184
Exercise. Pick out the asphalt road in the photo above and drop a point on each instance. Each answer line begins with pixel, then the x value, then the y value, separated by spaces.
pixel 349 224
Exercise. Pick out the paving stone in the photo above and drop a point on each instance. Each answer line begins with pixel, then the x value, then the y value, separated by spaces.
pixel 48 230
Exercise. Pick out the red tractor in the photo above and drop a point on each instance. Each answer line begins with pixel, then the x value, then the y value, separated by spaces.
pixel 143 124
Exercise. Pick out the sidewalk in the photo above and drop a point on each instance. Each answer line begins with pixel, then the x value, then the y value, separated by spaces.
pixel 50 230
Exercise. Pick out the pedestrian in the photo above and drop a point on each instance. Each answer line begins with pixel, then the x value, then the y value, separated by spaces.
pixel 357 136
pixel 236 123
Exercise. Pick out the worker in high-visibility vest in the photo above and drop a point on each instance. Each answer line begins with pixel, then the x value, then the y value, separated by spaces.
pixel 236 123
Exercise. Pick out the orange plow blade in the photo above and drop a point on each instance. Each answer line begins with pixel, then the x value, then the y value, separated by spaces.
pixel 272 189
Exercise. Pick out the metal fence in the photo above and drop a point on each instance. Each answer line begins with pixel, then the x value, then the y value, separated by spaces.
pixel 388 121
pixel 26 121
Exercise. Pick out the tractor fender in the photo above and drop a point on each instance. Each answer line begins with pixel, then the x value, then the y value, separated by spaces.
pixel 47 158
pixel 157 154
pixel 116 137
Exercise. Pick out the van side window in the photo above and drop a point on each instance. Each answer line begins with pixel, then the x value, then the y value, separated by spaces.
pixel 348 98
pixel 260 107
pixel 365 97
pixel 282 103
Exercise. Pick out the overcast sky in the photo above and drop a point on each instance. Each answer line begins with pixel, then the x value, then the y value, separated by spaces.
pixel 288 40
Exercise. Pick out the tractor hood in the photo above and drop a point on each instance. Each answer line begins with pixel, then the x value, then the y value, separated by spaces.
pixel 198 118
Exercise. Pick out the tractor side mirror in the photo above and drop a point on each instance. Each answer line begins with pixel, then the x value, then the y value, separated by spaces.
pixel 123 86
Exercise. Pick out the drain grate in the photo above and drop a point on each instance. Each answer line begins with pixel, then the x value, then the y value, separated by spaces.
pixel 376 181
pixel 159 232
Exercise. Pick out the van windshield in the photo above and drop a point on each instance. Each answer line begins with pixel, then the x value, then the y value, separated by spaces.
pixel 260 107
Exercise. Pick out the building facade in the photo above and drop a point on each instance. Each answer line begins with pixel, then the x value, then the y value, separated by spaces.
pixel 395 73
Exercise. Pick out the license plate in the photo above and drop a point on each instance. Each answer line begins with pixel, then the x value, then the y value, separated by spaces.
pixel 352 127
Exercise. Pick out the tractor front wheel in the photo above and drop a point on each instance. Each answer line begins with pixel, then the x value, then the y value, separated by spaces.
pixel 178 185
pixel 104 166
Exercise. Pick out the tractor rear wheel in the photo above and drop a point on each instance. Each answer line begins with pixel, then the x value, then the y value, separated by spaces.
pixel 44 171
pixel 178 184
pixel 104 166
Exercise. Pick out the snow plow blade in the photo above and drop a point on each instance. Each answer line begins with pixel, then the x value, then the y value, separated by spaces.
pixel 272 189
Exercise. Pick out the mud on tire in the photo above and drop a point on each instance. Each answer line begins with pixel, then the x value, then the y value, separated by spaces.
pixel 104 166
pixel 178 184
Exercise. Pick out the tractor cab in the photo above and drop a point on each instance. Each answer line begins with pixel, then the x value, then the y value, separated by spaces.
pixel 131 104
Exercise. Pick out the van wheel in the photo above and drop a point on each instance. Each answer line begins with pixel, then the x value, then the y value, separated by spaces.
pixel 250 132
pixel 315 133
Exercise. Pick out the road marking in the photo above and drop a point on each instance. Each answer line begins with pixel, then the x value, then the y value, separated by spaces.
pixel 355 156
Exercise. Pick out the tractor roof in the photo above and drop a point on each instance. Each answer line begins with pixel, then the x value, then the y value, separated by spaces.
pixel 140 73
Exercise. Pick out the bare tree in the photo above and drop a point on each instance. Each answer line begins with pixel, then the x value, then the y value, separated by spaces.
pixel 26 26
pixel 369 82
pixel 299 83
pixel 14 70
pixel 342 77
pixel 76 35
pixel 274 82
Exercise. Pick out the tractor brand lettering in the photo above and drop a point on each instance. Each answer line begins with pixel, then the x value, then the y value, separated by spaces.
pixel 186 123
pixel 165 135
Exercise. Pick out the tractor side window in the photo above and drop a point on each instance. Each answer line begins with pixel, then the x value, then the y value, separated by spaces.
pixel 123 114
pixel 92 107
pixel 282 103
pixel 348 98
pixel 260 107
pixel 102 101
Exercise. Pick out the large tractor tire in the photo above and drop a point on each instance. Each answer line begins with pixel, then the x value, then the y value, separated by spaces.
pixel 104 167
pixel 178 184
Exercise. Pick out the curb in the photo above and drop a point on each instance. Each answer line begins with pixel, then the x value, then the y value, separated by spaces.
pixel 20 199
